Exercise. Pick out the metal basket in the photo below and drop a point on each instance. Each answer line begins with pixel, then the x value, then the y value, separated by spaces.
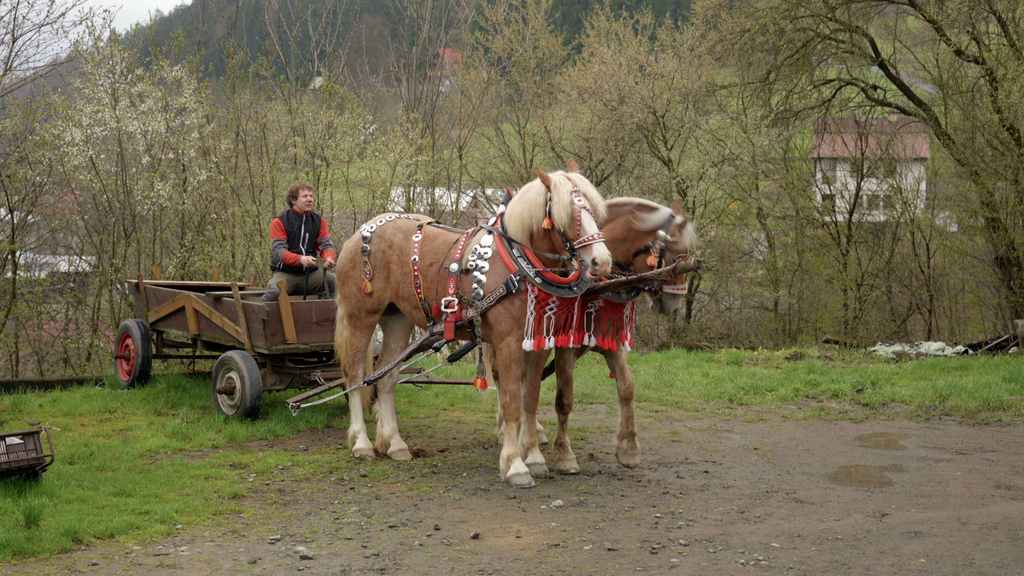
pixel 22 453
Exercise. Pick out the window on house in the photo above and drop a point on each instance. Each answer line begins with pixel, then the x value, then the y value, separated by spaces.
pixel 827 167
pixel 828 203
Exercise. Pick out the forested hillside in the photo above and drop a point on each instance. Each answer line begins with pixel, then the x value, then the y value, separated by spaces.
pixel 281 30
pixel 854 168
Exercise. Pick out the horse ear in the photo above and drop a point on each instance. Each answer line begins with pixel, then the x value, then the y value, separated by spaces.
pixel 677 207
pixel 572 167
pixel 543 177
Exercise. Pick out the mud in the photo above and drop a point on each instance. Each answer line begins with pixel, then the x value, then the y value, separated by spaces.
pixel 711 497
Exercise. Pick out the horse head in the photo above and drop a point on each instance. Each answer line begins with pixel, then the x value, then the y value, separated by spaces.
pixel 562 212
pixel 678 243
pixel 644 236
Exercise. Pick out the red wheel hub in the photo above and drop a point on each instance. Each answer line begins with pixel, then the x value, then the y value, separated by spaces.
pixel 126 357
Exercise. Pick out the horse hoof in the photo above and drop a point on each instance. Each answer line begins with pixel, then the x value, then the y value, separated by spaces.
pixel 542 438
pixel 522 480
pixel 539 470
pixel 363 453
pixel 627 459
pixel 403 455
pixel 567 467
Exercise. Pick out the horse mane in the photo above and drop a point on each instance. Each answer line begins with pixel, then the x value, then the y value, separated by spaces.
pixel 647 216
pixel 525 214
pixel 644 214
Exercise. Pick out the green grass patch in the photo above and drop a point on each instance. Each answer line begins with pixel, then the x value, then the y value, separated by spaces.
pixel 133 464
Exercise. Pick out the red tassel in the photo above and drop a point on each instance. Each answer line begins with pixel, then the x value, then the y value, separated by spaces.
pixel 480 383
pixel 548 224
pixel 611 375
pixel 652 260
pixel 367 287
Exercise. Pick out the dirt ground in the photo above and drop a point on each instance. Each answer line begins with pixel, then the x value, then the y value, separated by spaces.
pixel 712 496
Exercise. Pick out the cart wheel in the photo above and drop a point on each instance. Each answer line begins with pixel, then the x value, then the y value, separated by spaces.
pixel 133 363
pixel 237 385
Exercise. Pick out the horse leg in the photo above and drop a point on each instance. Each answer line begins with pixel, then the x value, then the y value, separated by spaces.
pixel 357 340
pixel 533 367
pixel 627 450
pixel 565 367
pixel 510 366
pixel 494 377
pixel 368 391
pixel 397 329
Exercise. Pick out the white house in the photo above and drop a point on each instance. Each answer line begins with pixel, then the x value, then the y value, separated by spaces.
pixel 875 166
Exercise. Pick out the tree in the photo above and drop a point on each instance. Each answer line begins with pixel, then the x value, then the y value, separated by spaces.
pixel 34 37
pixel 955 66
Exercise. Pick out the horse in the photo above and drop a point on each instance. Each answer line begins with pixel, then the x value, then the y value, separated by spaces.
pixel 641 236
pixel 551 218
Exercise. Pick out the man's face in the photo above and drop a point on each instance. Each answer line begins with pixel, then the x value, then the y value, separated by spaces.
pixel 304 203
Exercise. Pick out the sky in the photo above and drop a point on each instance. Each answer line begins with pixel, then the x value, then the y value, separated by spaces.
pixel 136 11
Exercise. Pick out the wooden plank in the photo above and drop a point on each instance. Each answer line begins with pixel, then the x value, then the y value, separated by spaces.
pixel 243 289
pixel 192 304
pixel 187 284
pixel 287 319
pixel 142 296
pixel 216 274
pixel 446 381
pixel 241 317
pixel 219 319
pixel 167 307
pixel 156 272
pixel 190 313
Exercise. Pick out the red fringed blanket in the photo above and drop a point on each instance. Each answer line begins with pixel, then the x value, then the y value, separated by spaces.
pixel 570 322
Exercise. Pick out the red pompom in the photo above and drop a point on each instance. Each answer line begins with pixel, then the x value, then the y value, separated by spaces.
pixel 367 287
pixel 548 224
pixel 480 383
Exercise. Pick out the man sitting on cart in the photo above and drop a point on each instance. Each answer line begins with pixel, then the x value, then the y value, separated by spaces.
pixel 296 236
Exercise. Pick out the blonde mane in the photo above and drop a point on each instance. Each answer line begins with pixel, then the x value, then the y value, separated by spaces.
pixel 647 216
pixel 525 214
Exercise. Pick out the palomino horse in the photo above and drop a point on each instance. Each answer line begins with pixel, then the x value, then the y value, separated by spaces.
pixel 392 271
pixel 641 236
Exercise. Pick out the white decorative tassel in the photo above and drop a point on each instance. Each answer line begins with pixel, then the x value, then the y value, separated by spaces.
pixel 531 315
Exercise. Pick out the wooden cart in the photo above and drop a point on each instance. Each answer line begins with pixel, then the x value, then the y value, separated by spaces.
pixel 257 345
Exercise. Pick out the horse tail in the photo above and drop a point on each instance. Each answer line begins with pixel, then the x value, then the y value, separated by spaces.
pixel 341 334
pixel 368 394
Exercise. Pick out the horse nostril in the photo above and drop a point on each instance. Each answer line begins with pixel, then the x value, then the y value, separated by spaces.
pixel 594 264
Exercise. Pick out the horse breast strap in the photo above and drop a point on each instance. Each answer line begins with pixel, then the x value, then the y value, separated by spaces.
pixel 450 303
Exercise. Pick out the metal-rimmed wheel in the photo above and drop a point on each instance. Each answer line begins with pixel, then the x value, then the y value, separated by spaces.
pixel 133 353
pixel 237 385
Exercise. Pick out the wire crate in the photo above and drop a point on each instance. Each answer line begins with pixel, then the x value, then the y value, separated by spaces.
pixel 23 453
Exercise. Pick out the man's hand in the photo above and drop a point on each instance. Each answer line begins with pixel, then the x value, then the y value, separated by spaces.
pixel 308 261
pixel 329 263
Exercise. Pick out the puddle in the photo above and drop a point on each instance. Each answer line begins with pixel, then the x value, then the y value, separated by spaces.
pixel 861 476
pixel 882 441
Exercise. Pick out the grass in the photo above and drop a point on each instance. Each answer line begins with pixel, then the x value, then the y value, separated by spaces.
pixel 134 464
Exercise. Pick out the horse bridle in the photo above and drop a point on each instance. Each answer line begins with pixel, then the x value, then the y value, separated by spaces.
pixel 658 247
pixel 571 247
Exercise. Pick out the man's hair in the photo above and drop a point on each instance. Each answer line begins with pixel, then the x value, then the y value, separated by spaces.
pixel 293 192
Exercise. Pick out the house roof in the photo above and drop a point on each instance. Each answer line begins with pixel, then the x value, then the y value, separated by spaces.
pixel 854 137
pixel 447 59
